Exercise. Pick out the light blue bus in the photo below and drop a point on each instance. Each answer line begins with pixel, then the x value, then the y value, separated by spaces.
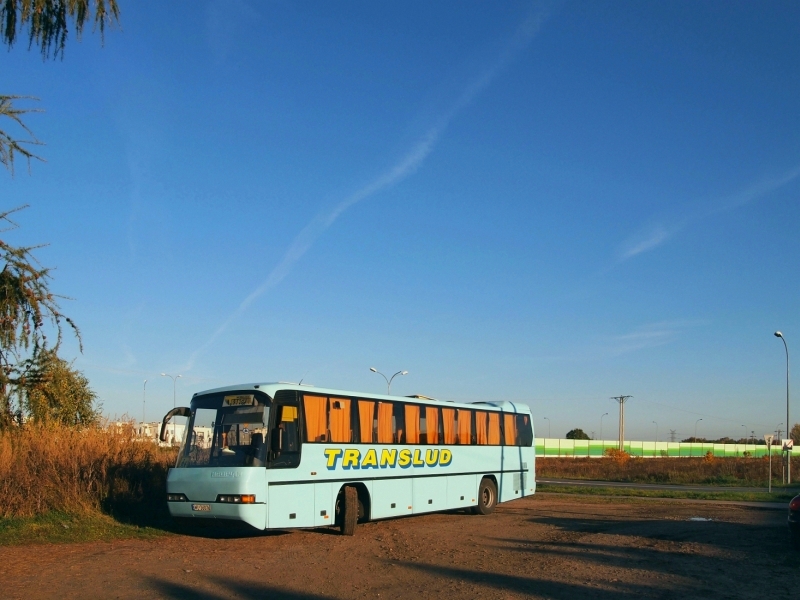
pixel 280 455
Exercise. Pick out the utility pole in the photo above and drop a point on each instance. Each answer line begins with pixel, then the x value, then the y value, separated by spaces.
pixel 621 400
pixel 672 434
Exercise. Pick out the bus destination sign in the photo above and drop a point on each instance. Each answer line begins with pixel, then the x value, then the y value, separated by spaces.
pixel 239 400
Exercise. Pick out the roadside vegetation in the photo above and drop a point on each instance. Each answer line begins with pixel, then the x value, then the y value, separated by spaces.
pixel 617 466
pixel 60 482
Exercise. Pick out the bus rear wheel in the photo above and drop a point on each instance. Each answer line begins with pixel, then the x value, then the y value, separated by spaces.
pixel 348 516
pixel 487 497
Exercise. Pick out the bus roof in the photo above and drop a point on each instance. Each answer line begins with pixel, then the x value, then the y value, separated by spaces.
pixel 272 387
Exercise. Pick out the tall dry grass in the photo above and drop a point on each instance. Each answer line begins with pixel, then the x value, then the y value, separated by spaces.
pixel 52 467
pixel 714 471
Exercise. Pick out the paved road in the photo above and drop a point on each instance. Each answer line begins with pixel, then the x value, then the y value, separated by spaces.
pixel 654 486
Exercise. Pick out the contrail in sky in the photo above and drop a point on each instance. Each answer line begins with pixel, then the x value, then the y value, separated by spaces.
pixel 660 233
pixel 407 165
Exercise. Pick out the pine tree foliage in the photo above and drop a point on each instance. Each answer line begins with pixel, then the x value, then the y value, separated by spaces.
pixel 9 146
pixel 28 310
pixel 48 21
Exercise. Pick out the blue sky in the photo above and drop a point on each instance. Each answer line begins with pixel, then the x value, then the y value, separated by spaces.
pixel 545 203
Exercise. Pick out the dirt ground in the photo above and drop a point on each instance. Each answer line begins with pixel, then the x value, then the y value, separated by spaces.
pixel 548 546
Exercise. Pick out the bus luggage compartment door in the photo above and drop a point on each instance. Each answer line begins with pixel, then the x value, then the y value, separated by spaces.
pixel 430 494
pixel 291 505
pixel 391 497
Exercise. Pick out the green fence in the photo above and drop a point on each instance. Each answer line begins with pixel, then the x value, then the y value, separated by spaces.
pixel 546 447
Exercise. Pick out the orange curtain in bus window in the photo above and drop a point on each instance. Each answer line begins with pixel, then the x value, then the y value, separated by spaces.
pixel 339 416
pixel 315 417
pixel 494 429
pixel 385 423
pixel 464 427
pixel 412 424
pixel 510 430
pixel 449 425
pixel 481 428
pixel 366 410
pixel 432 423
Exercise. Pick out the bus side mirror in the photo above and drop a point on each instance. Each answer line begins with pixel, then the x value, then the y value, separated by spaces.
pixel 181 411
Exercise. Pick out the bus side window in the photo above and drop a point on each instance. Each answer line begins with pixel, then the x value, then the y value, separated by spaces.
pixel 385 434
pixel 524 431
pixel 315 418
pixel 464 426
pixel 449 425
pixel 494 429
pixel 431 433
pixel 339 419
pixel 412 424
pixel 481 428
pixel 399 424
pixel 366 421
pixel 509 430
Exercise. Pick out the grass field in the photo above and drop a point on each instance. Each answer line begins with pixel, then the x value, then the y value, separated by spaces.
pixel 56 527
pixel 739 472
pixel 775 496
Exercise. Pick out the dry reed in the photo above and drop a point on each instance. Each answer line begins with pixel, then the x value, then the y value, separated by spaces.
pixel 51 467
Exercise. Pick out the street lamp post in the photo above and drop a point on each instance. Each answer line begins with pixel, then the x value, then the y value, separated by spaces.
pixel 656 432
pixel 388 381
pixel 601 424
pixel 695 429
pixel 548 426
pixel 174 381
pixel 788 426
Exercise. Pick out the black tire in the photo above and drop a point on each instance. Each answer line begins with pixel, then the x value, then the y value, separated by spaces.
pixel 795 540
pixel 487 497
pixel 349 511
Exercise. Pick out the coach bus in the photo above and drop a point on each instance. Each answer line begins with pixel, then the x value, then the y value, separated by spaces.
pixel 286 455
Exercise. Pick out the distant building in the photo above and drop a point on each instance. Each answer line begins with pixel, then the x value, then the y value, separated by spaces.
pixel 175 433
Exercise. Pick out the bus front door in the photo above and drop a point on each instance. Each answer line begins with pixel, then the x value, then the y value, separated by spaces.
pixel 285 436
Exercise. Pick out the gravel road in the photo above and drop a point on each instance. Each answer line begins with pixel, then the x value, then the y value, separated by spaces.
pixel 548 546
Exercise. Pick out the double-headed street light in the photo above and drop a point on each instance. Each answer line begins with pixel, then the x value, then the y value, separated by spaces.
pixel 695 428
pixel 788 427
pixel 388 381
pixel 174 380
pixel 548 427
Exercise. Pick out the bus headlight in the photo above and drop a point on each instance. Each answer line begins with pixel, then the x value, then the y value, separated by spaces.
pixel 177 498
pixel 237 498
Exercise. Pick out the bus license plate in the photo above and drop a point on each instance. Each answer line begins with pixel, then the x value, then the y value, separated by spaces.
pixel 202 507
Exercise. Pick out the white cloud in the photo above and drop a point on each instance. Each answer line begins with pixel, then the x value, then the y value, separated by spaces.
pixel 652 239
pixel 646 336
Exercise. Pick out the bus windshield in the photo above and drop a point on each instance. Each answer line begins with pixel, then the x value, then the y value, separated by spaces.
pixel 225 431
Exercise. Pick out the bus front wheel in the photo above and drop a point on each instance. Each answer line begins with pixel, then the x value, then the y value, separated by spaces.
pixel 349 511
pixel 487 497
